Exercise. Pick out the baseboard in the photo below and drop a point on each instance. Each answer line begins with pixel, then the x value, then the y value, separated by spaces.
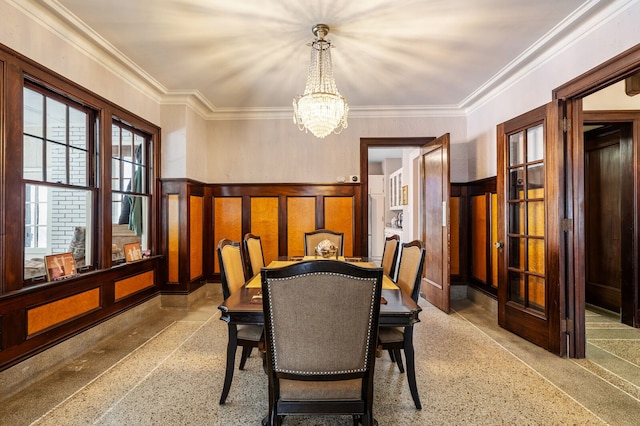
pixel 482 299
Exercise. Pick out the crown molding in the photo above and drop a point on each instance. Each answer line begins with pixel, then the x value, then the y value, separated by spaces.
pixel 51 15
pixel 588 17
pixel 55 17
pixel 390 111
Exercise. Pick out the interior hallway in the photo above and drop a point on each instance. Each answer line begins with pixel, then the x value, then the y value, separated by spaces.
pixel 169 370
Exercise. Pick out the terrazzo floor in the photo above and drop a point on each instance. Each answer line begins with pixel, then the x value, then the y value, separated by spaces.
pixel 168 370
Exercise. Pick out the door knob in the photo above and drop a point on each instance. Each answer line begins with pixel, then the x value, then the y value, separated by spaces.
pixel 498 244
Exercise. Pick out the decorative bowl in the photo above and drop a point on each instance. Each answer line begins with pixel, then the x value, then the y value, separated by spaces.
pixel 326 249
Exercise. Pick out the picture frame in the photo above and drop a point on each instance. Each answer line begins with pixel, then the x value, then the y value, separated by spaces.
pixel 405 195
pixel 132 252
pixel 60 266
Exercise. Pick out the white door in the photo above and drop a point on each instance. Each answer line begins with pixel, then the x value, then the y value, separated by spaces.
pixel 376 225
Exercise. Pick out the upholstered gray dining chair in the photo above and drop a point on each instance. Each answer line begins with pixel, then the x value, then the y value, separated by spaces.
pixel 390 256
pixel 409 278
pixel 248 336
pixel 315 364
pixel 254 256
pixel 313 238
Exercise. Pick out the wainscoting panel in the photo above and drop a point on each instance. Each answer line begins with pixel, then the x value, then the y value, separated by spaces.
pixel 227 222
pixel 54 313
pixel 134 284
pixel 196 238
pixel 454 211
pixel 173 237
pixel 301 218
pixel 338 216
pixel 264 223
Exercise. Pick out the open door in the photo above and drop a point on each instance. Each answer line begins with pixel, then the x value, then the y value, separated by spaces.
pixel 531 227
pixel 434 220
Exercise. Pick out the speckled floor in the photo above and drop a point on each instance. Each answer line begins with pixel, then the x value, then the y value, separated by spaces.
pixel 168 370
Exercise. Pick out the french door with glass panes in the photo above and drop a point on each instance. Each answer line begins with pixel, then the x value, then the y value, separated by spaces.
pixel 530 207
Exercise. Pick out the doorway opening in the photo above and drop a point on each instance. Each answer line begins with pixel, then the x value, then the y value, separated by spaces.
pixel 374 144
pixel 578 97
pixel 609 211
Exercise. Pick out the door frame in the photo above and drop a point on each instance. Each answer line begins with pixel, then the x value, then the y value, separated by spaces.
pixel 365 144
pixel 616 69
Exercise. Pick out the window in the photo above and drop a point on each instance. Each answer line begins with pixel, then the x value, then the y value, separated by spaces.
pixel 59 179
pixel 131 168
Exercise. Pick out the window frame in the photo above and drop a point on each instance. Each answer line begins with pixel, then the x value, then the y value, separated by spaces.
pixel 90 187
pixel 19 72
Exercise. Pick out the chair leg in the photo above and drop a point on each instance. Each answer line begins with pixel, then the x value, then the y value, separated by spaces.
pixel 391 355
pixel 232 345
pixel 411 370
pixel 246 353
pixel 398 356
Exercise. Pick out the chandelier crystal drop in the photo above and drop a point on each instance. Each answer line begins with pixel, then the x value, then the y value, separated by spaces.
pixel 321 109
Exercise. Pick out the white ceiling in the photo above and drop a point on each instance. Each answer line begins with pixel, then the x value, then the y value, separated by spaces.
pixel 252 55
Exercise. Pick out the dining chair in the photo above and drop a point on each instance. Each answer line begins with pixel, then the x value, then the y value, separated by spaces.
pixel 392 339
pixel 315 364
pixel 390 256
pixel 248 336
pixel 313 238
pixel 254 256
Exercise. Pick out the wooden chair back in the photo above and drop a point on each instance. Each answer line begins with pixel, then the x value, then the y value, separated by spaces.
pixel 313 238
pixel 231 267
pixel 254 257
pixel 390 255
pixel 315 364
pixel 410 269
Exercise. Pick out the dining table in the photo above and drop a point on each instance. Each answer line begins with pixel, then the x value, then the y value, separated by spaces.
pixel 397 309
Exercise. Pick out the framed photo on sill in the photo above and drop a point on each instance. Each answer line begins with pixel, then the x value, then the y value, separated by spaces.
pixel 132 252
pixel 405 195
pixel 60 266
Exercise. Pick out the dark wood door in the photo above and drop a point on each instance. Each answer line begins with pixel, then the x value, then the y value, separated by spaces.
pixel 607 237
pixel 530 238
pixel 435 222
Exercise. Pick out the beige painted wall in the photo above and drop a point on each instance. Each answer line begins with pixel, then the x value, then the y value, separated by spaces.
pixel 40 38
pixel 613 97
pixel 580 51
pixel 276 151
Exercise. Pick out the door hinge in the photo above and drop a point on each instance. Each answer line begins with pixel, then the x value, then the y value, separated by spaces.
pixel 566 225
pixel 566 124
pixel 566 326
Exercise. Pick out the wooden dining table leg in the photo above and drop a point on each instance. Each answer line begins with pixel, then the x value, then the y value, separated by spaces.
pixel 231 359
pixel 411 368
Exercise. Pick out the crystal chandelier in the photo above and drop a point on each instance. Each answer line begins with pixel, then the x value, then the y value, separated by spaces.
pixel 321 110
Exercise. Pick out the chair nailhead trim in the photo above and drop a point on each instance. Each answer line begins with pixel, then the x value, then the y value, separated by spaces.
pixel 273 343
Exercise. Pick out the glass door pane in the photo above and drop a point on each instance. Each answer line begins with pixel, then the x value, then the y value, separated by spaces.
pixel 526 223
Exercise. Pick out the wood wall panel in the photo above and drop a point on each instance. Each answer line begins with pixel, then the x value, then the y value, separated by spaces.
pixel 134 284
pixel 301 218
pixel 454 212
pixel 227 222
pixel 54 313
pixel 494 240
pixel 264 223
pixel 338 216
pixel 173 237
pixel 196 241
pixel 479 237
